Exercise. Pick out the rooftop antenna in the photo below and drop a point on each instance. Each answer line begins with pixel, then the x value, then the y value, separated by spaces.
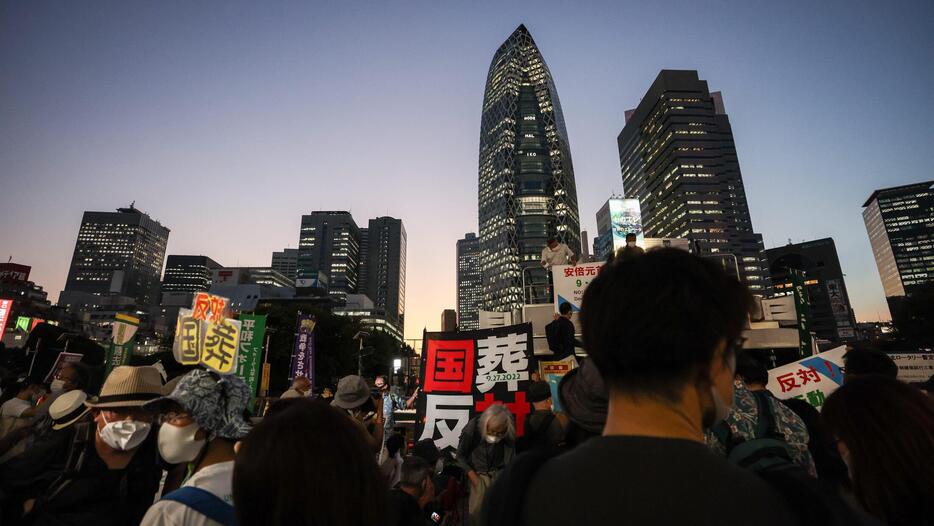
pixel 133 204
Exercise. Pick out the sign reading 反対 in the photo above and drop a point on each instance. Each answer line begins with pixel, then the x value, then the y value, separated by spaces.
pixel 811 379
pixel 463 373
pixel 203 335
pixel 570 282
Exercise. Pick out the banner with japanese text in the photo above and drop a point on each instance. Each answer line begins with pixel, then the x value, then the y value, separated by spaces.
pixel 205 335
pixel 463 373
pixel 553 372
pixel 122 339
pixel 23 323
pixel 252 332
pixel 914 367
pixel 570 282
pixel 811 379
pixel 303 355
pixel 5 307
pixel 803 309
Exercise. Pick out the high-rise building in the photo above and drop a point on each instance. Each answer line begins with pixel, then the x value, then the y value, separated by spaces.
pixel 678 158
pixel 526 179
pixel 117 253
pixel 188 273
pixel 831 316
pixel 469 282
pixel 448 320
pixel 385 268
pixel 616 219
pixel 286 262
pixel 329 246
pixel 900 223
pixel 363 279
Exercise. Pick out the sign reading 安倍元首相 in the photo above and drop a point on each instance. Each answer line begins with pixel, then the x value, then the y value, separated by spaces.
pixel 463 373
pixel 570 282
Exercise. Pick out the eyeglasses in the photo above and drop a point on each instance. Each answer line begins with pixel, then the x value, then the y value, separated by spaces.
pixel 174 417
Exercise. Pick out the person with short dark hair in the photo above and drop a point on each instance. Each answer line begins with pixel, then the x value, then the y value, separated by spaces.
pixel 862 360
pixel 560 333
pixel 752 371
pixel 555 253
pixel 543 428
pixel 414 491
pixel 391 466
pixel 663 330
pixel 307 465
pixel 631 249
pixel 885 435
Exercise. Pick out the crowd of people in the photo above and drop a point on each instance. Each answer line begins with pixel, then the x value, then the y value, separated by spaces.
pixel 666 421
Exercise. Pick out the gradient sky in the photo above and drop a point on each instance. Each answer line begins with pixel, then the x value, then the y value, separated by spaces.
pixel 227 121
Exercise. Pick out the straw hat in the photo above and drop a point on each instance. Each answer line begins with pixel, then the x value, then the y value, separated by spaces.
pixel 128 387
pixel 68 408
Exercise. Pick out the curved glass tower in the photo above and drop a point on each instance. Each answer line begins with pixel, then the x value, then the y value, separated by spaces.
pixel 527 191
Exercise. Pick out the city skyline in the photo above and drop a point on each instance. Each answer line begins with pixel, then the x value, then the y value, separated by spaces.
pixel 238 135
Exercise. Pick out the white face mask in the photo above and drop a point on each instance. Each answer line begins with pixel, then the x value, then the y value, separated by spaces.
pixel 491 439
pixel 178 444
pixel 439 466
pixel 125 434
pixel 630 243
pixel 57 386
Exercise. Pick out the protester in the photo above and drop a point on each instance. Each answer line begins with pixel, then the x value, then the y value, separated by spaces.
pixel 391 467
pixel 300 388
pixel 560 333
pixel 753 403
pixel 584 400
pixel 823 448
pixel 543 428
pixel 201 420
pixel 17 412
pixel 307 465
pixel 862 360
pixel 885 435
pixel 631 249
pixel 487 445
pixel 555 253
pixel 72 376
pixel 111 473
pixel 662 329
pixel 391 402
pixel 414 492
pixel 353 396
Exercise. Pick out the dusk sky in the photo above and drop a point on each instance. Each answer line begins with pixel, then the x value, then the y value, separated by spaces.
pixel 227 121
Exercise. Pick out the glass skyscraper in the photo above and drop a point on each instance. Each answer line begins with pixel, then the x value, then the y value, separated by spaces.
pixel 678 158
pixel 526 180
pixel 469 291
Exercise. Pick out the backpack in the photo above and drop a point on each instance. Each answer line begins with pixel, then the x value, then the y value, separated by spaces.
pixel 205 503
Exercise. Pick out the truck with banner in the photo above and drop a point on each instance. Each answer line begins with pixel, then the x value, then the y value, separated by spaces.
pixel 463 373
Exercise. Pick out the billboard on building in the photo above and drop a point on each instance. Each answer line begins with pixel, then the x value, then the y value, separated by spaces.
pixel 625 218
pixel 14 272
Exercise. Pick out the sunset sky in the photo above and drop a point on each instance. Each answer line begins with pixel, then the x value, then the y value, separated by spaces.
pixel 226 121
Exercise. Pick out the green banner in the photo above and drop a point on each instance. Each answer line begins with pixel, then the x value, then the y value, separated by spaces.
pixel 122 341
pixel 803 310
pixel 23 322
pixel 252 332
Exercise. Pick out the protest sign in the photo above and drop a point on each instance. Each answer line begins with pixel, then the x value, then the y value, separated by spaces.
pixel 252 332
pixel 5 307
pixel 121 343
pixel 463 373
pixel 23 323
pixel 204 335
pixel 811 379
pixel 570 281
pixel 303 355
pixel 63 359
pixel 914 367
pixel 553 372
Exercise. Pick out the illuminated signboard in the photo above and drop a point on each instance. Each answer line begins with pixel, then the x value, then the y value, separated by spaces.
pixel 625 218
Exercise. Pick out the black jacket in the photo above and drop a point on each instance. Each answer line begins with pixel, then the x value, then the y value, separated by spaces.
pixel 561 340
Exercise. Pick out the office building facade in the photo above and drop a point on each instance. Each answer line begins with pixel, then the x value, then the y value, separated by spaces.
pixel 831 315
pixel 469 282
pixel 286 262
pixel 526 179
pixel 678 158
pixel 188 274
pixel 384 268
pixel 118 253
pixel 900 224
pixel 329 248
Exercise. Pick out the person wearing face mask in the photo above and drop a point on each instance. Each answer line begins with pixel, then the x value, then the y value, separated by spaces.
pixel 17 412
pixel 662 329
pixel 487 445
pixel 111 474
pixel 353 397
pixel 631 249
pixel 391 402
pixel 202 418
